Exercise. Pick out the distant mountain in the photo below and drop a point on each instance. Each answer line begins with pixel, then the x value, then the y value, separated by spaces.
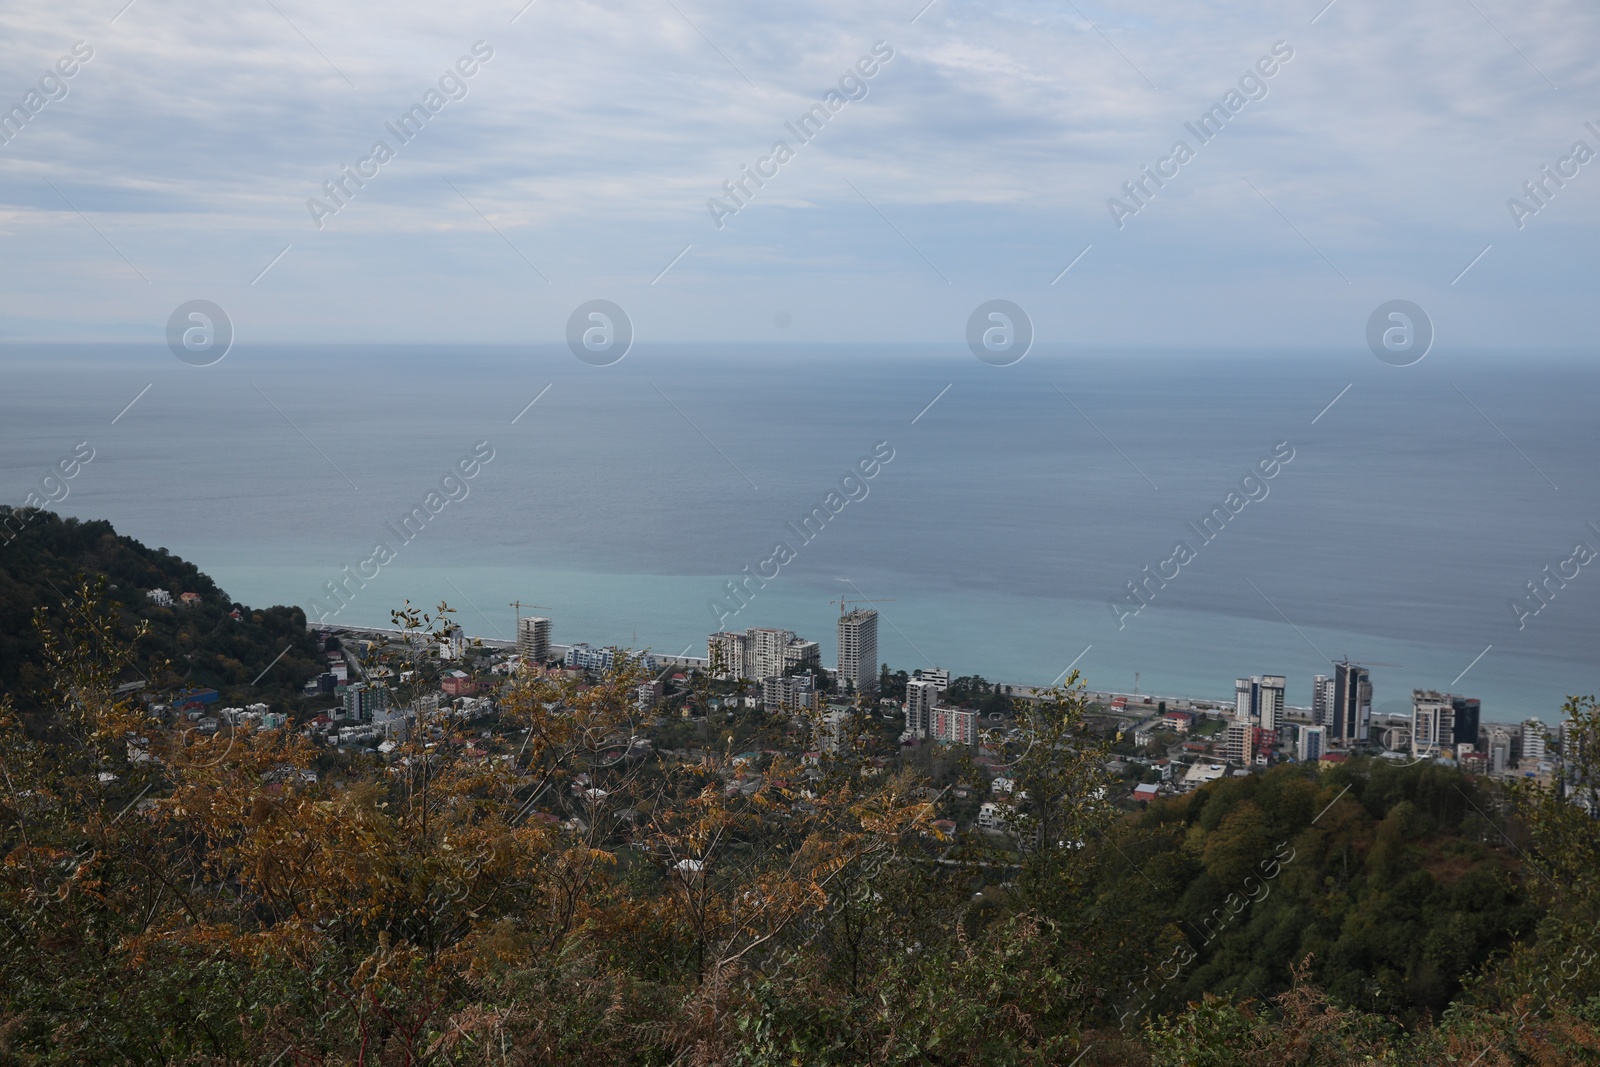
pixel 44 557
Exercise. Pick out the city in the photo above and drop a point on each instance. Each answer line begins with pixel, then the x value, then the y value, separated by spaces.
pixel 1160 746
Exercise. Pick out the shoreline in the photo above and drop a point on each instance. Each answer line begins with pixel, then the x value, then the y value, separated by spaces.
pixel 1016 689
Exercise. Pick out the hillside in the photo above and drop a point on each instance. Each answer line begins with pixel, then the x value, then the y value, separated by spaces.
pixel 198 646
pixel 1393 879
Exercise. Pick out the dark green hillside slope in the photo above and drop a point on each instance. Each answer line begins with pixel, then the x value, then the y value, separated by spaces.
pixel 202 645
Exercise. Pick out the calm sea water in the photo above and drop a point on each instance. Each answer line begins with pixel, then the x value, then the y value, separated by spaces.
pixel 1413 512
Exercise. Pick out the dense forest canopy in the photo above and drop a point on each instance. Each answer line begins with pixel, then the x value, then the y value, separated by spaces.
pixel 199 646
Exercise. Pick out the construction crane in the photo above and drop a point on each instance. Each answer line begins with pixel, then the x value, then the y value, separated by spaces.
pixel 1369 662
pixel 519 605
pixel 842 601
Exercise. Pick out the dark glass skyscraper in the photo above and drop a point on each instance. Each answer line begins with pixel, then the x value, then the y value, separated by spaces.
pixel 1352 703
pixel 1466 719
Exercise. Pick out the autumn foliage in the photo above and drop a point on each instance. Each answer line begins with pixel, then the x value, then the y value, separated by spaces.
pixel 564 893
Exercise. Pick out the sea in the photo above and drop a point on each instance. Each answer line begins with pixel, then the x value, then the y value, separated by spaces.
pixel 1407 511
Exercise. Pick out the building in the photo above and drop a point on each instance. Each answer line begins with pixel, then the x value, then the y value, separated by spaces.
pixel 1352 703
pixel 1467 719
pixel 363 702
pixel 1265 745
pixel 1499 749
pixel 1201 773
pixel 760 653
pixel 1533 740
pixel 764 652
pixel 1269 700
pixel 792 691
pixel 804 655
pixel 1288 737
pixel 1433 723
pixel 586 657
pixel 453 643
pixel 1322 701
pixel 937 675
pixel 921 700
pixel 458 684
pixel 1178 720
pixel 1311 744
pixel 160 597
pixel 725 655
pixel 647 693
pixel 1571 746
pixel 835 730
pixel 991 816
pixel 1237 746
pixel 955 726
pixel 858 651
pixel 533 640
pixel 1260 699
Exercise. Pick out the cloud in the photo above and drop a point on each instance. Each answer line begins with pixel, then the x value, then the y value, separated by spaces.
pixel 592 139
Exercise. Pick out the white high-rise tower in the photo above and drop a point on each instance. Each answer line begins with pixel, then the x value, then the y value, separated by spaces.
pixel 533 640
pixel 858 651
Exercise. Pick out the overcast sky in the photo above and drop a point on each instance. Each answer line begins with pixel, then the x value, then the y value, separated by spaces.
pixel 978 164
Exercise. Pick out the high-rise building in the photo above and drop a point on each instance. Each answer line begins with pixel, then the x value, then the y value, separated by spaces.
pixel 533 640
pixel 1311 743
pixel 955 726
pixel 937 675
pixel 1352 703
pixel 1322 701
pixel 760 653
pixel 764 650
pixel 1260 699
pixel 725 656
pixel 1271 700
pixel 1570 740
pixel 922 698
pixel 858 651
pixel 1432 724
pixel 362 701
pixel 1499 749
pixel 803 655
pixel 1237 745
pixel 1533 738
pixel 1467 720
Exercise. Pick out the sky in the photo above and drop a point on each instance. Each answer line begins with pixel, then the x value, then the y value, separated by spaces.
pixel 975 163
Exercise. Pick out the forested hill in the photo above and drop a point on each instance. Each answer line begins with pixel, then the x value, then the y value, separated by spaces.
pixel 1395 880
pixel 45 558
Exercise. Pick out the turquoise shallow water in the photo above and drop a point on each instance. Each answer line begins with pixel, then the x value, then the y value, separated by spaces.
pixel 1410 515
